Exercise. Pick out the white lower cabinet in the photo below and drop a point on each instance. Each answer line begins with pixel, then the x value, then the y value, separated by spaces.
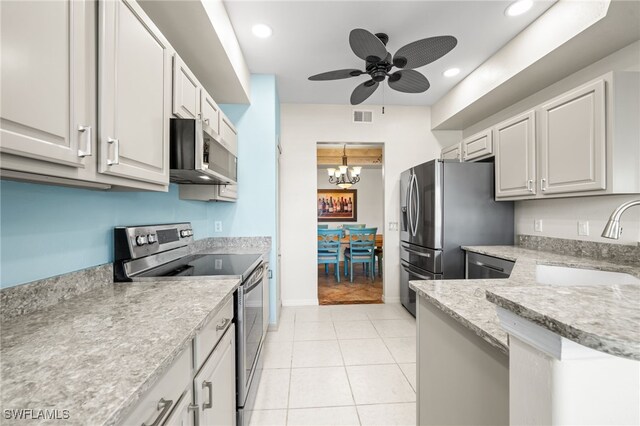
pixel 215 385
pixel 183 413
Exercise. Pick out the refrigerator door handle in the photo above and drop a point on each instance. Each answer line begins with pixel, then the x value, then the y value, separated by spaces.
pixel 415 230
pixel 410 204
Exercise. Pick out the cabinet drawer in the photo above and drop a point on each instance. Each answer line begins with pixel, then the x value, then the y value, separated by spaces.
pixel 207 338
pixel 451 152
pixel 477 146
pixel 229 134
pixel 164 395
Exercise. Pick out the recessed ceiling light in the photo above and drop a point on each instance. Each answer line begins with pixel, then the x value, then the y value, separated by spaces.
pixel 262 31
pixel 451 72
pixel 519 7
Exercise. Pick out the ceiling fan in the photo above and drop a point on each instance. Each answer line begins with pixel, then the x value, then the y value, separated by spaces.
pixel 379 63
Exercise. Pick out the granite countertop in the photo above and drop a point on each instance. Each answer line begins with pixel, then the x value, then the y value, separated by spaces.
pixel 95 355
pixel 604 317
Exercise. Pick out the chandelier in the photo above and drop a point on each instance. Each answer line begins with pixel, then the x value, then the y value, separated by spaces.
pixel 342 176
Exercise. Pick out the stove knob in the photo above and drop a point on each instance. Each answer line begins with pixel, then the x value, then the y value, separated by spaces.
pixel 141 240
pixel 151 238
pixel 184 233
pixel 190 232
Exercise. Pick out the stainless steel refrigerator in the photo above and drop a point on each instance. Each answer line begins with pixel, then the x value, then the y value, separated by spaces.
pixel 445 205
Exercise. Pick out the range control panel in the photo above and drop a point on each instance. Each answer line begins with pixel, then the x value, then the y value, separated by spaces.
pixel 133 242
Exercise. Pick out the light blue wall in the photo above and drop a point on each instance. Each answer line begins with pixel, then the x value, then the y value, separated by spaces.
pixel 255 212
pixel 49 230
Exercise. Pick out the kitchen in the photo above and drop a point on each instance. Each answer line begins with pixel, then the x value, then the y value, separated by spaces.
pixel 72 223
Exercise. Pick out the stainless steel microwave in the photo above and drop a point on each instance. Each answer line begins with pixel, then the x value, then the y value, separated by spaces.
pixel 198 155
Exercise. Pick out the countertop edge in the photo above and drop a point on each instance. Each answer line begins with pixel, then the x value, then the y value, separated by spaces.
pixel 487 337
pixel 135 396
pixel 593 341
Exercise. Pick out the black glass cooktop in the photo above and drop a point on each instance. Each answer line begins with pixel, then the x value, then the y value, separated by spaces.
pixel 199 265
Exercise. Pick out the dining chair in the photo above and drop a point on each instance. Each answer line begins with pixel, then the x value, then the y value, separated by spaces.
pixel 378 253
pixel 362 242
pixel 329 249
pixel 323 226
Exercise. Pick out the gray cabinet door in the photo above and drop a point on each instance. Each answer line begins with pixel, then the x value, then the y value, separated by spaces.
pixel 478 146
pixel 515 147
pixel 186 90
pixel 44 79
pixel 215 384
pixel 572 141
pixel 134 93
pixel 210 111
pixel 451 152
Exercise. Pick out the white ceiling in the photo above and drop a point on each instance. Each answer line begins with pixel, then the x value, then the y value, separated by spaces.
pixel 310 37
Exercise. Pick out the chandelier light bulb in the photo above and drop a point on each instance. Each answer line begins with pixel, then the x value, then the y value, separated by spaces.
pixel 357 170
pixel 343 170
pixel 331 171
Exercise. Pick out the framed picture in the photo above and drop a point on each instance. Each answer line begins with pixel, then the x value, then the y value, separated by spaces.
pixel 337 205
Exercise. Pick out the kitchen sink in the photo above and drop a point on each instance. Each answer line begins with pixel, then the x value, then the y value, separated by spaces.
pixel 563 276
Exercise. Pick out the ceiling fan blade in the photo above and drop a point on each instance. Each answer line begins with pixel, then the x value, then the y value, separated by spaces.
pixel 363 91
pixel 408 81
pixel 336 75
pixel 366 45
pixel 423 52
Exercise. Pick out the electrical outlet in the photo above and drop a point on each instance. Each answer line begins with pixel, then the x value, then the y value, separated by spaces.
pixel 393 226
pixel 218 226
pixel 583 227
pixel 537 225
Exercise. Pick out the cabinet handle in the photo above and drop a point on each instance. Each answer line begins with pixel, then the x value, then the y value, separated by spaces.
pixel 87 131
pixel 163 407
pixel 225 322
pixel 208 385
pixel 116 153
pixel 530 185
pixel 542 184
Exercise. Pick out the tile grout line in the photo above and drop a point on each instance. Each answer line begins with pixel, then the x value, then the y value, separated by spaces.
pixel 344 366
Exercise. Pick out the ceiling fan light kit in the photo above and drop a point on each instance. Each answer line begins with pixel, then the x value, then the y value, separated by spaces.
pixel 379 63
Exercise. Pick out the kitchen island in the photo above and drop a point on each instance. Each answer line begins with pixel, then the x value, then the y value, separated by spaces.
pixel 581 315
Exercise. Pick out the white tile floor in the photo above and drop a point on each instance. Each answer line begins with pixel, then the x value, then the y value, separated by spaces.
pixel 339 365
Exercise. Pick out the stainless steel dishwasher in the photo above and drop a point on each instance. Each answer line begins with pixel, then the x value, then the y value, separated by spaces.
pixel 482 266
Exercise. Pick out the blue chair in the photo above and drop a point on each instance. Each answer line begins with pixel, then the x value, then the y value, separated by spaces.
pixel 346 227
pixel 362 244
pixel 323 226
pixel 329 249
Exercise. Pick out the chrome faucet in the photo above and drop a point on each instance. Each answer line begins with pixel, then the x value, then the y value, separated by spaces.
pixel 613 229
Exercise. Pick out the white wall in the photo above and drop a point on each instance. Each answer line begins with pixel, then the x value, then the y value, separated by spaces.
pixel 369 197
pixel 408 140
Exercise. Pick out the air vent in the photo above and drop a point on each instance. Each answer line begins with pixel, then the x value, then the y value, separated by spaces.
pixel 362 116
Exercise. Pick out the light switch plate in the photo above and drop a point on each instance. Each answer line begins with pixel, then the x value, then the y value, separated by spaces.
pixel 537 225
pixel 218 226
pixel 583 227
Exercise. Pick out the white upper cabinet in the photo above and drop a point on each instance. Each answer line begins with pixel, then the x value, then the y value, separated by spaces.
pixel 45 102
pixel 134 94
pixel 451 152
pixel 210 111
pixel 229 134
pixel 515 163
pixel 186 91
pixel 572 141
pixel 478 146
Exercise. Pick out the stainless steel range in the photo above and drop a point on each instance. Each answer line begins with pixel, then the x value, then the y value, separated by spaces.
pixel 161 252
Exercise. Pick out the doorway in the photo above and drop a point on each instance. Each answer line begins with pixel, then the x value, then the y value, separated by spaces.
pixel 350 209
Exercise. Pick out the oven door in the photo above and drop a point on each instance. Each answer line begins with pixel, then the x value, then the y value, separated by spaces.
pixel 249 330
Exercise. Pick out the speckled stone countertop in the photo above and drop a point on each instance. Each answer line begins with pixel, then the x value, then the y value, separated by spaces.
pixel 97 354
pixel 604 317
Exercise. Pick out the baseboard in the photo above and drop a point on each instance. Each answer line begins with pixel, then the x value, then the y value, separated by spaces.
pixel 300 302
pixel 390 299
